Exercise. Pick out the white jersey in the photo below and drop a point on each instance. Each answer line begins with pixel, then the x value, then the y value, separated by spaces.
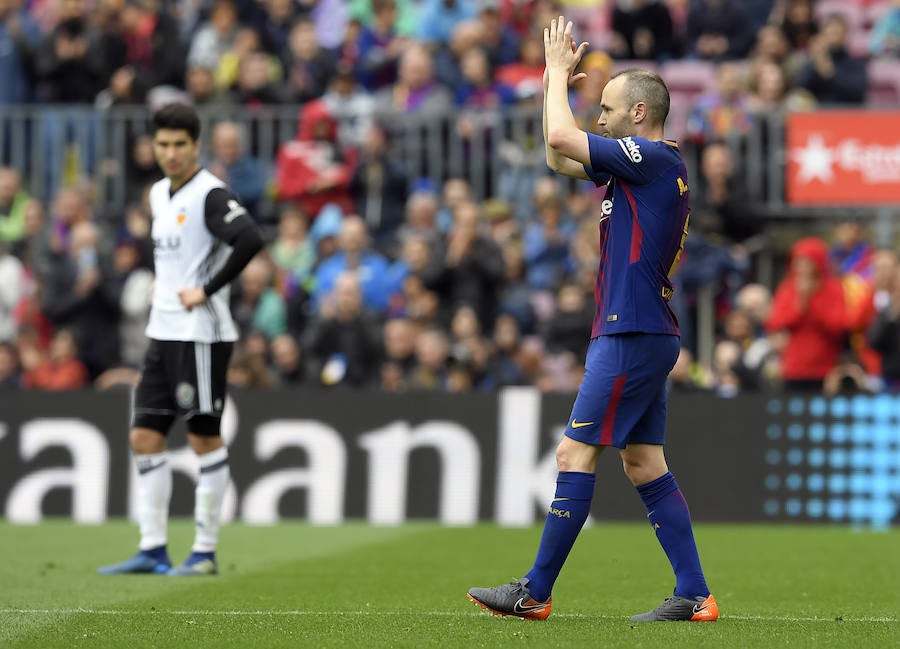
pixel 186 255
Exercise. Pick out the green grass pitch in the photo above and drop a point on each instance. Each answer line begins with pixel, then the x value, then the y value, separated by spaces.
pixel 293 585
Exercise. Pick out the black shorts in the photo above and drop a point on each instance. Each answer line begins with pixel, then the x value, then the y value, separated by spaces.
pixel 182 378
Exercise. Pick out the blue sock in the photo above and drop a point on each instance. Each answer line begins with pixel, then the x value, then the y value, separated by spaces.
pixel 671 520
pixel 159 553
pixel 566 517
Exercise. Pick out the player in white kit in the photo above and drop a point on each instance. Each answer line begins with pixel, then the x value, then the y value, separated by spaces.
pixel 202 239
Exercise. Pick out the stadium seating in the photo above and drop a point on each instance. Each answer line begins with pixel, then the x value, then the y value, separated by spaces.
pixel 884 83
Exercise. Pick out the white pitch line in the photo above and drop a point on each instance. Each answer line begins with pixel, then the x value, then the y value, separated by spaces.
pixel 584 616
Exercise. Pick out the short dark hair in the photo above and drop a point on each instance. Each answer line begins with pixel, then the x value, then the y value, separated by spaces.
pixel 177 117
pixel 648 87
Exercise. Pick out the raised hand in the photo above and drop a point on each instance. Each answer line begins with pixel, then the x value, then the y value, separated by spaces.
pixel 560 52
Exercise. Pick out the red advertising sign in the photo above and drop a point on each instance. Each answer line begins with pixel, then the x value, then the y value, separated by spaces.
pixel 843 158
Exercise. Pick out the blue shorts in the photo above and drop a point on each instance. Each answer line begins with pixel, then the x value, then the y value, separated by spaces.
pixel 622 398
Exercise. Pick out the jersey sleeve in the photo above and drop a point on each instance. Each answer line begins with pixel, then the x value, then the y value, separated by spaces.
pixel 634 160
pixel 230 221
pixel 225 217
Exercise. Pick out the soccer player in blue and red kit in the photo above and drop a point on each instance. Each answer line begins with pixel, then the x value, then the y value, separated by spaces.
pixel 635 337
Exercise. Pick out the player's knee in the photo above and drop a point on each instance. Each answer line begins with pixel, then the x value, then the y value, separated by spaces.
pixel 145 441
pixel 640 471
pixel 572 455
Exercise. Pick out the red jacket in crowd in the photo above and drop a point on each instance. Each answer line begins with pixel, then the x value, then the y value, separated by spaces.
pixel 817 324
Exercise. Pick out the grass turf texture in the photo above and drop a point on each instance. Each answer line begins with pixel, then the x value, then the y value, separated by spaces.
pixel 360 586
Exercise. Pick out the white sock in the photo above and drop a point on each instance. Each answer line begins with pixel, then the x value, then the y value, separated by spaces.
pixel 154 493
pixel 214 475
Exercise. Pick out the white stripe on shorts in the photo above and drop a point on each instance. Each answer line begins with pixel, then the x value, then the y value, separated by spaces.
pixel 204 376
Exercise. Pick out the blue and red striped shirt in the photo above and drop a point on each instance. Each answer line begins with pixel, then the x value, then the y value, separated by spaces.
pixel 644 222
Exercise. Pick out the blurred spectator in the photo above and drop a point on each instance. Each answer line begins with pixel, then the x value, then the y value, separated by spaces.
pixel 723 112
pixel 354 257
pixel 598 67
pixel 246 43
pixel 293 252
pixel 832 74
pixel 325 230
pixel 884 336
pixel 141 170
pixel 12 286
pixel 258 306
pixel 331 20
pixel 380 187
pixel 379 47
pixel 808 319
pixel 232 163
pixel 81 292
pixel 343 343
pixel 569 328
pixel 432 367
pixel 718 30
pixel 884 39
pixel 351 105
pixel 852 258
pixel 480 88
pixel 421 219
pixel 69 63
pixel 851 252
pixel 438 18
pixel 770 93
pixel 721 197
pixel 416 91
pixel 257 85
pixel 314 169
pixel 202 89
pixel 546 245
pixel 249 371
pixel 502 224
pixel 685 376
pixel 416 258
pixel 772 46
pixel 524 74
pixel 509 358
pixel 705 264
pixel 642 29
pixel 516 298
pixel 308 66
pixel 287 360
pixel 215 37
pixel 496 37
pixel 797 19
pixel 13 199
pixel 399 354
pixel 10 371
pixel 275 25
pixel 61 370
pixel 406 17
pixel 153 43
pixel 19 39
pixel 455 192
pixel 137 292
pixel 473 267
pixel 743 360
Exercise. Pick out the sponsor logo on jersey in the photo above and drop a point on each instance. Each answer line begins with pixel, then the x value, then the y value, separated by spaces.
pixel 606 208
pixel 235 210
pixel 631 148
pixel 166 244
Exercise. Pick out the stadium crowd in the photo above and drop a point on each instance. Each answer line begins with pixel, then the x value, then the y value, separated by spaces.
pixel 370 280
